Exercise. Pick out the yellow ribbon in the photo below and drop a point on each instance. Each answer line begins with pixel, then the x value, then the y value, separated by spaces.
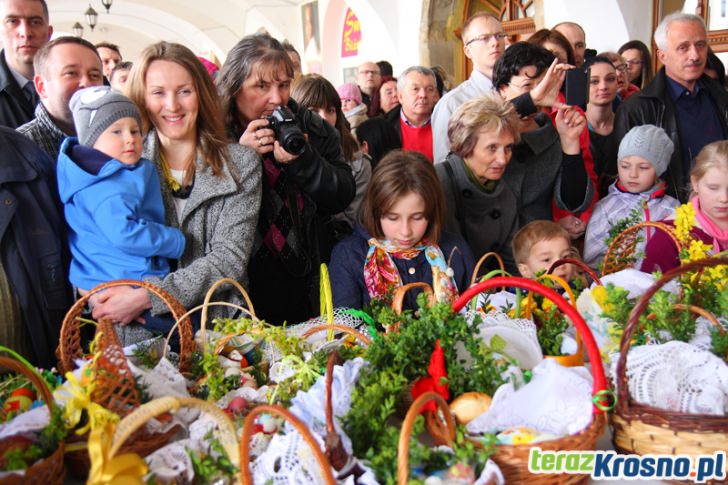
pixel 126 469
pixel 79 400
pixel 327 299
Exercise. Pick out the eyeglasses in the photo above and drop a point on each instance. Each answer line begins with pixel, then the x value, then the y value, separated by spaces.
pixel 487 37
pixel 621 67
pixel 373 73
pixel 634 62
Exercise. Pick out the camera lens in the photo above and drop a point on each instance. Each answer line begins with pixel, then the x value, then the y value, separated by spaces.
pixel 294 143
pixel 291 138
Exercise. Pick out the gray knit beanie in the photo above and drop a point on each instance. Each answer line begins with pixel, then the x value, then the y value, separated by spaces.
pixel 95 109
pixel 649 142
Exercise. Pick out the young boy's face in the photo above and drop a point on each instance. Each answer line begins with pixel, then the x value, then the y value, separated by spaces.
pixel 122 140
pixel 545 253
pixel 636 174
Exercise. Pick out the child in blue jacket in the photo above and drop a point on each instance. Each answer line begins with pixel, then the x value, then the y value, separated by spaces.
pixel 112 197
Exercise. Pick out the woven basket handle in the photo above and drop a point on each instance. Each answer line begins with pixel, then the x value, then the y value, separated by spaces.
pixel 398 299
pixel 140 416
pixel 208 297
pixel 628 236
pixel 600 382
pixel 339 328
pixel 581 264
pixel 199 307
pixel 245 440
pixel 70 340
pixel 484 258
pixel 406 432
pixel 630 328
pixel 39 384
pixel 578 357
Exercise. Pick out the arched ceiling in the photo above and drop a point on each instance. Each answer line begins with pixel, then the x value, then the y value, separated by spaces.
pixel 209 28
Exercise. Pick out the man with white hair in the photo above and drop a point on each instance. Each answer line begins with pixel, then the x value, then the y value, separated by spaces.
pixel 690 106
pixel 417 93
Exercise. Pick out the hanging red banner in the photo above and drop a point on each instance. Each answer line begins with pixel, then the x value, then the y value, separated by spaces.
pixel 351 35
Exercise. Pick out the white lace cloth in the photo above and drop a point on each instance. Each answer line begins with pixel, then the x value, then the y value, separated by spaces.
pixel 677 376
pixel 519 334
pixel 636 282
pixel 289 460
pixel 557 400
pixel 310 406
pixel 172 463
pixel 26 424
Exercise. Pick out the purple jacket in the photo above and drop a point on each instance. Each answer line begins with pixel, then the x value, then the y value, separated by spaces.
pixel 661 253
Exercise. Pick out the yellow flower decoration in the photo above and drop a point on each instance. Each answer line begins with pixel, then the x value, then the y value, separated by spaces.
pixel 76 399
pixel 684 222
pixel 599 295
pixel 698 250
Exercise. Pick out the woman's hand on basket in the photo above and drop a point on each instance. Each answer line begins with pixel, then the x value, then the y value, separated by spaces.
pixel 123 304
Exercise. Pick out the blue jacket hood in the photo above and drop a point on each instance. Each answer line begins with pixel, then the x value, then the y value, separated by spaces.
pixel 80 167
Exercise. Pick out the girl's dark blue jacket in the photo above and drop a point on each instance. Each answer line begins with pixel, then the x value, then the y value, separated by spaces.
pixel 346 268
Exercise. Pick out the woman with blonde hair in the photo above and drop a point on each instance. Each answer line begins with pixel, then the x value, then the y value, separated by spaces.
pixel 210 188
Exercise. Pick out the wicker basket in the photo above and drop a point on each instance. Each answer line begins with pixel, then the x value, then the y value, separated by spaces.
pixel 337 328
pixel 115 390
pixel 130 426
pixel 447 432
pixel 70 340
pixel 51 469
pixel 513 459
pixel 398 299
pixel 246 475
pixel 501 267
pixel 622 248
pixel 580 264
pixel 641 429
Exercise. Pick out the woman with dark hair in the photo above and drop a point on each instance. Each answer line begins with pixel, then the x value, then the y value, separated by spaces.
pixel 400 239
pixel 714 68
pixel 600 117
pixel 625 89
pixel 377 138
pixel 639 63
pixel 305 182
pixel 385 98
pixel 554 42
pixel 314 92
pixel 210 189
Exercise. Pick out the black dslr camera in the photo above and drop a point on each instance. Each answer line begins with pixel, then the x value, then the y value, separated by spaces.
pixel 288 134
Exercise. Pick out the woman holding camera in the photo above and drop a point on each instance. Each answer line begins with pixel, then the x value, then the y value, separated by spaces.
pixel 301 191
pixel 211 189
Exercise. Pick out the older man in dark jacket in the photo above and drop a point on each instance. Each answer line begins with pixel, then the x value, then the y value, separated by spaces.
pixel 34 289
pixel 681 99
